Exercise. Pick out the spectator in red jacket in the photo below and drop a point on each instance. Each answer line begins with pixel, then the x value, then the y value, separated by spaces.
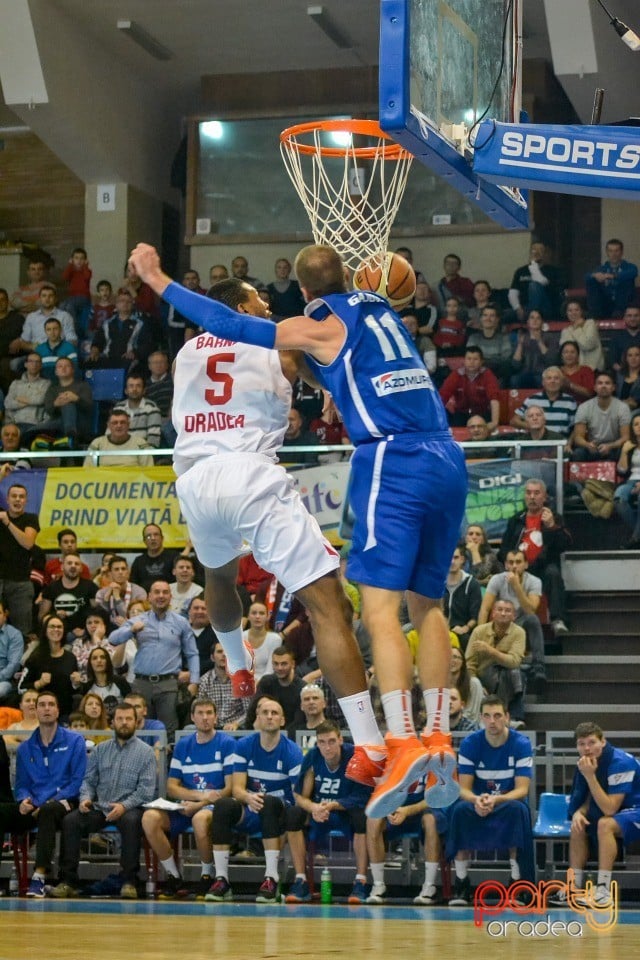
pixel 472 391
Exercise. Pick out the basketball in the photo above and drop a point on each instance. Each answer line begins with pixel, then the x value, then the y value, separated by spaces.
pixel 396 281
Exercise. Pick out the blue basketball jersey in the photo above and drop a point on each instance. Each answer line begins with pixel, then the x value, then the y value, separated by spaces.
pixel 334 784
pixel 378 380
pixel 203 766
pixel 495 769
pixel 269 771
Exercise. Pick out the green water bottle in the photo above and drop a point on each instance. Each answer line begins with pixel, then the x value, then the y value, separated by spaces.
pixel 326 886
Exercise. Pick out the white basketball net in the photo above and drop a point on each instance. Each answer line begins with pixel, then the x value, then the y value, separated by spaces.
pixel 351 202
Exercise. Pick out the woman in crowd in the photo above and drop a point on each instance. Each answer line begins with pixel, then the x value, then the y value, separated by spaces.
pixel 585 333
pixel 579 380
pixel 627 496
pixel 101 677
pixel 535 350
pixel 262 641
pixel 51 667
pixel 484 562
pixel 470 688
pixel 96 630
pixel 425 309
pixel 102 576
pixel 628 377
pixel 93 708
pixel 29 719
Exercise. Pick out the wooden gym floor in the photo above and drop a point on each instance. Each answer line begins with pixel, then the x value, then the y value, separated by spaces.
pixel 110 930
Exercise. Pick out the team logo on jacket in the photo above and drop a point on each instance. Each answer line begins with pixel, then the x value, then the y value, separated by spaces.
pixel 398 381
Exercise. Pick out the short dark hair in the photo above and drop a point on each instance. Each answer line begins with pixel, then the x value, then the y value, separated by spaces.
pixel 116 558
pixel 67 532
pixel 328 726
pixel 232 292
pixel 493 700
pixel 104 283
pixel 48 693
pixel 124 705
pixel 588 729
pixel 283 651
pixel 471 348
pixel 52 320
pixel 453 256
pixel 606 373
pixel 615 240
pixel 79 250
pixel 203 702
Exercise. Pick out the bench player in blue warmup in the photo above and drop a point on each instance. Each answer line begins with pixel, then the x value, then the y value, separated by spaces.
pixel 408 489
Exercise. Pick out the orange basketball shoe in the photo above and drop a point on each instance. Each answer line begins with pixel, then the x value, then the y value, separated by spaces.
pixel 243 683
pixel 367 764
pixel 442 786
pixel 407 761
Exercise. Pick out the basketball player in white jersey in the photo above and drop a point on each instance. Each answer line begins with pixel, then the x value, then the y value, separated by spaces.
pixel 230 412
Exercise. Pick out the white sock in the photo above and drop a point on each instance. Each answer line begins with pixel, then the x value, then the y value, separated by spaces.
pixel 377 874
pixel 436 700
pixel 361 878
pixel 206 869
pixel 461 869
pixel 578 879
pixel 398 713
pixel 221 861
pixel 604 878
pixel 515 869
pixel 301 876
pixel 430 873
pixel 360 718
pixel 271 857
pixel 237 655
pixel 170 866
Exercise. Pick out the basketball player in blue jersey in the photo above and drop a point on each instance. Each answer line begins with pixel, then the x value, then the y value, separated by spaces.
pixel 408 489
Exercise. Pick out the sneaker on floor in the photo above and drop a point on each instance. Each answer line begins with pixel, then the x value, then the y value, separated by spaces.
pixel 407 761
pixel 378 893
pixel 367 764
pixel 442 787
pixel 173 888
pixel 558 899
pixel 243 682
pixel 128 891
pixel 427 896
pixel 358 893
pixel 299 892
pixel 268 891
pixel 36 889
pixel 600 896
pixel 219 890
pixel 559 626
pixel 64 890
pixel 461 893
pixel 202 887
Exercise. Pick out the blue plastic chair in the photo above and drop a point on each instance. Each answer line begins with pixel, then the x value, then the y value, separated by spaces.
pixel 107 386
pixel 553 820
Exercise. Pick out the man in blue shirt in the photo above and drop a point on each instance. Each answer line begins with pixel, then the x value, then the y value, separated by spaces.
pixel 405 534
pixel 163 638
pixel 495 767
pixel 11 648
pixel 50 767
pixel 604 807
pixel 610 287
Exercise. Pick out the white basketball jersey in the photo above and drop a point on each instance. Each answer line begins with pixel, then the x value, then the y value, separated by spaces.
pixel 228 398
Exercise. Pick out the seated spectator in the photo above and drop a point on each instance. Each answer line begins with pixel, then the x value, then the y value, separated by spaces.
pixel 559 408
pixel 535 351
pixel 145 724
pixel 479 432
pixel 628 377
pixel 585 333
pixel 263 642
pixel 537 286
pixel 496 346
pixel 102 679
pixel 459 722
pixel 311 712
pixel 412 817
pixel 297 435
pixel 577 380
pixel 604 808
pixel 156 563
pixel 281 685
pixel 407 253
pixel 602 424
pixel 217 272
pixel 629 337
pixel 102 308
pixel 118 437
pixel 70 596
pixel 483 561
pixel 94 712
pixel 113 343
pixel 611 286
pixel 425 308
pixel 177 325
pixel 454 285
pixel 34 331
pixel 203 632
pixel 266 771
pixel 285 293
pixel 329 430
pixel 95 633
pixel 472 391
pixel 462 598
pixel 27 297
pixel 451 332
pixel 159 388
pixel 11 650
pixel 68 405
pixel 144 415
pixel 101 576
pixel 215 685
pixel 144 299
pixel 524 591
pixel 24 403
pixel 541 536
pixel 240 270
pixel 29 720
pixel 199 777
pixel 423 343
pixel 53 668
pixel 50 767
pixel 54 347
pixel 495 767
pixel 494 655
pixel 332 802
pixel 183 589
pixel 482 295
pixel 120 592
pixel 469 688
pixel 67 544
pixel 626 497
pixel 10 442
pixel 536 424
pixel 120 779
